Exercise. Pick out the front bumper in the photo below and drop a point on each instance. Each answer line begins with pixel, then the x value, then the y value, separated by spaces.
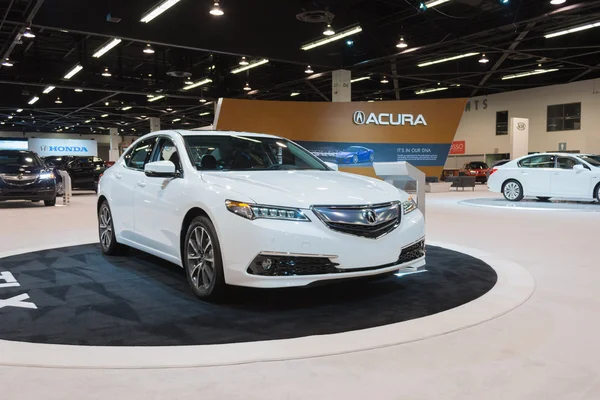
pixel 242 241
pixel 37 191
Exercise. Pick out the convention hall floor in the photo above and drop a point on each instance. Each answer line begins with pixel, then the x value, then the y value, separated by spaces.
pixel 545 349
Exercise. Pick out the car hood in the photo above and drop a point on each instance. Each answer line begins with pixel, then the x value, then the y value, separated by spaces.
pixel 343 154
pixel 305 188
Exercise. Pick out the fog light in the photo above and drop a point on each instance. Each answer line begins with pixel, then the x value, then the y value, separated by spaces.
pixel 267 264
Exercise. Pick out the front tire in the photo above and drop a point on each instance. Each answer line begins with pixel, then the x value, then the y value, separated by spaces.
pixel 202 259
pixel 106 232
pixel 355 159
pixel 512 190
pixel 50 203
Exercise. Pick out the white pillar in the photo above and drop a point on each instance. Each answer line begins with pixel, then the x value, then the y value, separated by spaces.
pixel 154 124
pixel 341 88
pixel 518 130
pixel 115 142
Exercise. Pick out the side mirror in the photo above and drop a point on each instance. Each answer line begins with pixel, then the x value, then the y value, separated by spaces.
pixel 331 165
pixel 160 169
pixel 578 167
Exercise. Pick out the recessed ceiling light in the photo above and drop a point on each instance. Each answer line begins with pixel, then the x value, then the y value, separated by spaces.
pixel 196 84
pixel 58 100
pixel 73 71
pixel 249 66
pixel 424 91
pixel 148 49
pixel 328 30
pixel 363 78
pixel 28 33
pixel 161 8
pixel 106 48
pixel 441 60
pixel 154 98
pixel 32 101
pixel 333 38
pixel 216 10
pixel 243 61
pixel 106 73
pixel 308 70
pixel 7 63
pixel 484 59
pixel 402 44
pixel 48 89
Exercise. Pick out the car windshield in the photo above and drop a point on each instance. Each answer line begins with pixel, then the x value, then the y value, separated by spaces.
pixel 591 159
pixel 353 149
pixel 11 159
pixel 54 161
pixel 242 153
pixel 477 165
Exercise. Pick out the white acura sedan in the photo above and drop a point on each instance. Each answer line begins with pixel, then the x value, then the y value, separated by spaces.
pixel 254 210
pixel 547 175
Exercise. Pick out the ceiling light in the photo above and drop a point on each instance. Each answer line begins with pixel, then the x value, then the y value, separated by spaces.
pixel 189 81
pixel 484 59
pixel 370 101
pixel 58 100
pixel 148 49
pixel 28 33
pixel 161 8
pixel 177 119
pixel 523 74
pixel 48 89
pixel 441 60
pixel 249 66
pixel 204 113
pixel 11 117
pixel 32 101
pixel 143 116
pixel 126 108
pixel 423 91
pixel 87 121
pixel 333 38
pixel 202 100
pixel 401 44
pixel 309 70
pixel 78 90
pixel 243 61
pixel 106 73
pixel 293 94
pixel 73 71
pixel 216 10
pixel 7 63
pixel 169 109
pixel 384 80
pixel 154 99
pixel 328 31
pixel 364 78
pixel 104 115
pixel 247 87
pixel 573 30
pixel 106 48
pixel 19 110
pixel 557 2
pixel 199 83
pixel 434 3
pixel 106 103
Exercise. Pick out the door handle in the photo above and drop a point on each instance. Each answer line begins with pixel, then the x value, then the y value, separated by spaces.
pixel 141 183
pixel 557 173
pixel 118 176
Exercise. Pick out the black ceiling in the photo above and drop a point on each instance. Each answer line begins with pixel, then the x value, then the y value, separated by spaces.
pixel 186 38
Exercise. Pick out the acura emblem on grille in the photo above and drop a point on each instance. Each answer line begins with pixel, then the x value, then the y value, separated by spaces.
pixel 370 216
pixel 20 177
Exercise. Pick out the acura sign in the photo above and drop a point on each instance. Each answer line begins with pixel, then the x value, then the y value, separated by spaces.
pixel 63 147
pixel 360 118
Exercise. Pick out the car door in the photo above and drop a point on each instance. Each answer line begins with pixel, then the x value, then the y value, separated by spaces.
pixel 569 182
pixel 535 174
pixel 157 203
pixel 126 175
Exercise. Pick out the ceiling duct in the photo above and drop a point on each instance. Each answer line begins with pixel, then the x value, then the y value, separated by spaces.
pixel 315 16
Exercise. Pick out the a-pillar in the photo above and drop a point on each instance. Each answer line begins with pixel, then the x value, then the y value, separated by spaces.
pixel 341 87
pixel 115 143
pixel 154 124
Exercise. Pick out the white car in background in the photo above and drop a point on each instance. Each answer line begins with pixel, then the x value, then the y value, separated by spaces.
pixel 547 175
pixel 254 210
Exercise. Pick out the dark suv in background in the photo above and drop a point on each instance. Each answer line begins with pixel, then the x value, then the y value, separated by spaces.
pixel 84 171
pixel 23 176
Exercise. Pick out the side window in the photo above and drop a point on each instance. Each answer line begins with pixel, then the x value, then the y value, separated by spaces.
pixel 166 151
pixel 567 162
pixel 541 161
pixel 138 156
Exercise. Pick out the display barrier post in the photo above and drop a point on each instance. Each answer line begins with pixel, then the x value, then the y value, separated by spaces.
pixel 67 188
pixel 400 174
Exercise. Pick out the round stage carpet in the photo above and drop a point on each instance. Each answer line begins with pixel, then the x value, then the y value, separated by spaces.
pixel 534 204
pixel 84 298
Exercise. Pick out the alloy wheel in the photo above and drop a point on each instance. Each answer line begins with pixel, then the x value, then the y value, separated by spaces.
pixel 512 190
pixel 201 260
pixel 105 224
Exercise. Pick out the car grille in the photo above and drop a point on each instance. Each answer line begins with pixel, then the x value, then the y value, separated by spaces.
pixel 412 252
pixel 369 221
pixel 19 180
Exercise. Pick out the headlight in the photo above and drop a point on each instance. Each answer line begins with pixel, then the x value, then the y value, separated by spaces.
pixel 254 211
pixel 409 205
pixel 46 175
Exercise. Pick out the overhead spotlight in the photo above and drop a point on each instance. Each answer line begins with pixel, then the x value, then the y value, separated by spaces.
pixel 243 61
pixel 106 47
pixel 349 42
pixel 106 73
pixel 189 81
pixel 58 100
pixel 328 31
pixel 557 2
pixel 484 59
pixel 148 49
pixel 48 89
pixel 78 90
pixel 202 100
pixel 422 7
pixel 169 109
pixel 294 94
pixel 161 8
pixel 11 117
pixel 73 71
pixel 247 87
pixel 401 44
pixel 19 110
pixel 7 63
pixel 216 10
pixel 384 80
pixel 504 1
pixel 32 101
pixel 28 33
pixel 309 70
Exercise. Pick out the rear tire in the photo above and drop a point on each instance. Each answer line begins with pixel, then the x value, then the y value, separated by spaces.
pixel 50 203
pixel 512 190
pixel 106 232
pixel 202 259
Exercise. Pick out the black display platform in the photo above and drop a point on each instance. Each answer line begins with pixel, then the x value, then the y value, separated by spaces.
pixel 85 298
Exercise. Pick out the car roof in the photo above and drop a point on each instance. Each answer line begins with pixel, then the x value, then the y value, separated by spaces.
pixel 223 133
